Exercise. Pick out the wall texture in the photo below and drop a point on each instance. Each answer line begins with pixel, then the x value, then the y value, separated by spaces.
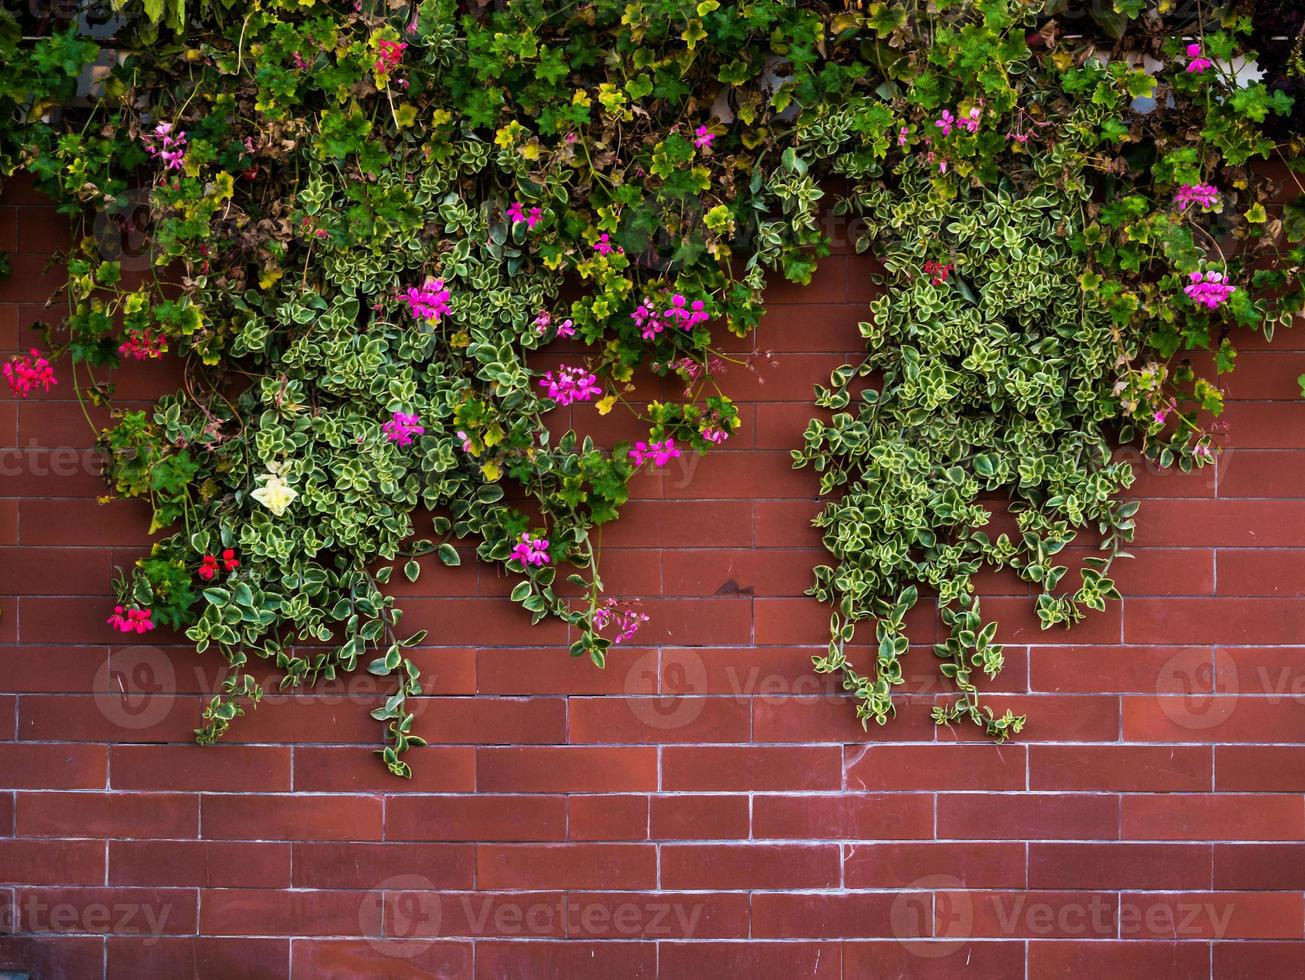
pixel 704 806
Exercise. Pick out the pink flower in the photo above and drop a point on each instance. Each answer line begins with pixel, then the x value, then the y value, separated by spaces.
pixel 647 319
pixel 622 615
pixel 1205 195
pixel 1203 452
pixel 544 319
pixel 429 301
pixel 715 435
pixel 702 137
pixel 1018 137
pixel 902 135
pixel 131 620
pixel 937 271
pixel 944 122
pixel 402 427
pixel 531 551
pixel 687 316
pixel 971 121
pixel 27 371
pixel 390 56
pixel 516 212
pixel 167 145
pixel 660 452
pixel 466 441
pixel 604 244
pixel 1208 289
pixel 566 329
pixel 1198 62
pixel 572 384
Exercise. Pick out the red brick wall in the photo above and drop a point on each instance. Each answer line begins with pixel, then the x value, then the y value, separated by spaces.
pixel 702 807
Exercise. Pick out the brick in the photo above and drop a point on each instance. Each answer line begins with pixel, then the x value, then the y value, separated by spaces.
pixel 52 862
pixel 832 718
pixel 132 815
pixel 661 915
pixel 692 961
pixel 566 961
pixel 1121 865
pixel 193 767
pixel 902 865
pixel 935 767
pixel 1123 768
pixel 1260 572
pixel 683 817
pixel 656 719
pixel 1221 621
pixel 707 768
pixel 202 864
pixel 607 818
pixel 734 866
pixel 566 865
pixel 1262 866
pixel 436 769
pixel 1260 768
pixel 816 916
pixel 1253 960
pixel 291 817
pixel 1174 961
pixel 551 671
pixel 53 766
pixel 368 866
pixel 122 911
pixel 396 959
pixel 1084 669
pixel 268 912
pixel 204 956
pixel 1224 817
pixel 485 817
pixel 566 769
pixel 1028 816
pixel 1212 915
pixel 487 720
pixel 861 816
pixel 929 961
pixel 1039 915
pixel 63 956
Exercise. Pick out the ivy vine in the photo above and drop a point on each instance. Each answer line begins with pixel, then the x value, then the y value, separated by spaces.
pixel 366 218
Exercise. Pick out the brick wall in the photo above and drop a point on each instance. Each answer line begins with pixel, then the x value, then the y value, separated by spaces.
pixel 702 807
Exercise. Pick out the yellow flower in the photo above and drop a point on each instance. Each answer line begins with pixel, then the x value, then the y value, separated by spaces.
pixel 276 495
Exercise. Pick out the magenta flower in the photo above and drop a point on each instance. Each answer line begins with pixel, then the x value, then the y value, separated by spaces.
pixel 660 452
pixel 945 122
pixel 402 427
pixel 131 620
pixel 1198 62
pixel 390 56
pixel 1208 289
pixel 702 137
pixel 571 384
pixel 604 244
pixel 566 329
pixel 647 319
pixel 167 145
pixel 1205 195
pixel 466 440
pixel 902 135
pixel 623 616
pixel 970 123
pixel 715 435
pixel 517 213
pixel 429 301
pixel 27 371
pixel 531 551
pixel 686 315
pixel 542 322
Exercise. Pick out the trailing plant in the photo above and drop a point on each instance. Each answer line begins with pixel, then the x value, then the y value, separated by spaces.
pixel 368 221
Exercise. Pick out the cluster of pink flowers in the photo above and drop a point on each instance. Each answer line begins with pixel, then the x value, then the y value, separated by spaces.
pixel 1206 195
pixel 692 370
pixel 517 212
pixel 429 301
pixel 660 451
pixel 402 427
pixel 143 345
pixel 968 122
pixel 680 313
pixel 465 440
pixel 623 616
pixel 27 371
pixel 131 620
pixel 1197 63
pixel 604 245
pixel 1163 412
pixel 544 320
pixel 390 56
pixel 1208 289
pixel 702 137
pixel 531 551
pixel 937 271
pixel 167 145
pixel 571 384
pixel 715 434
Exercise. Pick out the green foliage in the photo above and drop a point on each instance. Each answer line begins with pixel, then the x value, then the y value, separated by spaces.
pixel 323 176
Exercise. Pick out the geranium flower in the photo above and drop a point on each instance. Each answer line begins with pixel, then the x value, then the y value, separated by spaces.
pixel 571 384
pixel 1204 195
pixel 167 145
pixel 702 137
pixel 131 620
pixel 27 371
pixel 1208 289
pixel 945 122
pixel 660 452
pixel 531 551
pixel 623 616
pixel 1198 63
pixel 604 244
pixel 143 345
pixel 402 427
pixel 430 301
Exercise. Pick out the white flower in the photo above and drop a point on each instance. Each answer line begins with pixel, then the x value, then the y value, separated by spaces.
pixel 276 495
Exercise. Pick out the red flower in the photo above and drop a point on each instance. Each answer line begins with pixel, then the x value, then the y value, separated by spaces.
pixel 229 560
pixel 208 568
